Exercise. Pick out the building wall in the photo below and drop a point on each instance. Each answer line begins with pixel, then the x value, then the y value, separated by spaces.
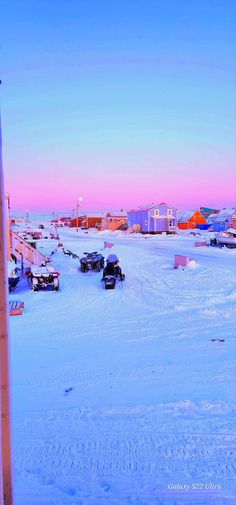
pixel 228 222
pixel 93 222
pixel 113 223
pixel 160 225
pixel 149 223
pixel 86 221
pixel 164 221
pixel 184 226
pixel 73 222
pixel 138 217
pixel 223 226
pixel 203 226
pixel 233 222
pixel 21 249
pixel 196 218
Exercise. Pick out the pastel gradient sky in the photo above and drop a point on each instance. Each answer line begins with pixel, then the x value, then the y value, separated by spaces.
pixel 123 102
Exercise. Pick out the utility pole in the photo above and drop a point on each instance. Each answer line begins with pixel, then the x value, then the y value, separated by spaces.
pixel 80 199
pixel 6 477
pixel 77 217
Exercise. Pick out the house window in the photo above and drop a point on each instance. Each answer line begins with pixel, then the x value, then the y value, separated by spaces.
pixel 169 212
pixel 157 212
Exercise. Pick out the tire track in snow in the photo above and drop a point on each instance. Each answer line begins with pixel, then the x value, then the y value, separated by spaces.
pixel 160 456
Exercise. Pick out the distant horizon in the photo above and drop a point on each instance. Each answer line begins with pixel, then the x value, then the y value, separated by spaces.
pixel 68 212
pixel 191 203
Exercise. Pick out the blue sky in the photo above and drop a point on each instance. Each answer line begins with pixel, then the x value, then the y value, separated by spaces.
pixel 123 93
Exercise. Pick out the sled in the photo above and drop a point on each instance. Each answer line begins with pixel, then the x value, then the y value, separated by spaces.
pixel 16 308
pixel 109 282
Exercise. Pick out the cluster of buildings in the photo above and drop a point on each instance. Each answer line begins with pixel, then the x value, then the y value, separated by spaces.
pixel 153 218
pixel 158 218
pixel 103 221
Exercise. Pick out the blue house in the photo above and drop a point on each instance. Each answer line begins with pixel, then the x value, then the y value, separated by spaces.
pixel 154 218
pixel 221 221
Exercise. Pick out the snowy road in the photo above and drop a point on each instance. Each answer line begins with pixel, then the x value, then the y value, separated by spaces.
pixel 152 404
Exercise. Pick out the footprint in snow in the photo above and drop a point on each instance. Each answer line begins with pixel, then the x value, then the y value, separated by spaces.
pixel 67 391
pixel 105 486
pixel 69 491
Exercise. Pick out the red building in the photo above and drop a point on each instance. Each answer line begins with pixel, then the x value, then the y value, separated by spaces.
pixel 190 219
pixel 87 221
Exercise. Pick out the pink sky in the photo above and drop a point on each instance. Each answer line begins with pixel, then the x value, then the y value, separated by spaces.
pixel 54 191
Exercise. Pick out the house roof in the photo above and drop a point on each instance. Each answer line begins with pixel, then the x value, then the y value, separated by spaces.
pixel 223 216
pixel 211 218
pixel 94 215
pixel 89 214
pixel 209 210
pixel 117 214
pixel 86 216
pixel 186 215
pixel 150 207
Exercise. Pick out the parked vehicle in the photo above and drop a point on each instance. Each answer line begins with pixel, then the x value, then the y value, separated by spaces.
pixel 41 226
pixel 92 261
pixel 227 239
pixel 112 272
pixel 54 236
pixel 44 276
pixel 36 235
pixel 14 275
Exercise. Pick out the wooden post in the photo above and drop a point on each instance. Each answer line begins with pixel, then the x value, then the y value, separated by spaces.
pixel 6 484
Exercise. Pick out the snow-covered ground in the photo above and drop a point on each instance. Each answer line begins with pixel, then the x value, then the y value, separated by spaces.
pixel 149 416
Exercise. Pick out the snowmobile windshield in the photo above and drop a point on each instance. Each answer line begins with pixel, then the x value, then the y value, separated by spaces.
pixel 112 258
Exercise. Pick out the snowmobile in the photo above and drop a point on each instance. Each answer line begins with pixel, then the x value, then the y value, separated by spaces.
pixel 227 239
pixel 112 272
pixel 43 277
pixel 14 275
pixel 92 261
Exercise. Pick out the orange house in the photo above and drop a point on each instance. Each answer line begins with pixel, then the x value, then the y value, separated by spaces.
pixel 191 219
pixel 114 222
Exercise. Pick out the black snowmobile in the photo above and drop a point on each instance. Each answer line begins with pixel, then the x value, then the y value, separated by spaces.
pixel 92 261
pixel 112 272
pixel 14 275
